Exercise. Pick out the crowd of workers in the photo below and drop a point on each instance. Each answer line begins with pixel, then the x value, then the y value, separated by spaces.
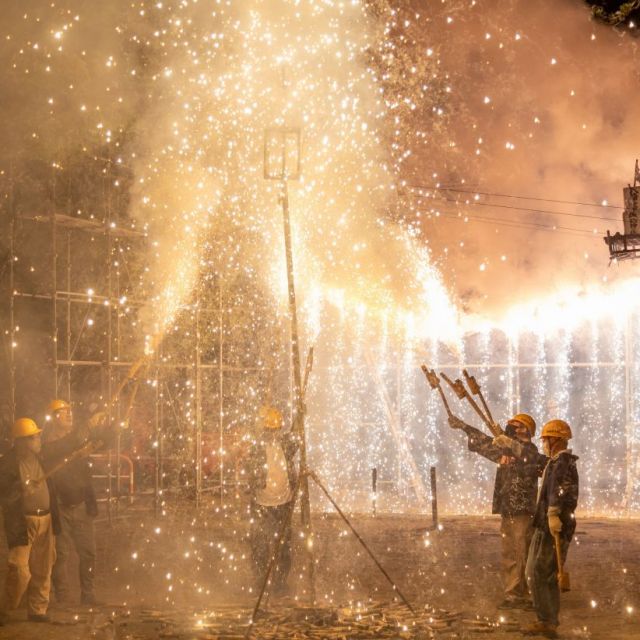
pixel 49 504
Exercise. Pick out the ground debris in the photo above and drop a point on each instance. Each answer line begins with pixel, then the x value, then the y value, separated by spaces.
pixel 288 620
pixel 356 621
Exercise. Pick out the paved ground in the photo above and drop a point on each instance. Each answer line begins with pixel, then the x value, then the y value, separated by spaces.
pixel 185 577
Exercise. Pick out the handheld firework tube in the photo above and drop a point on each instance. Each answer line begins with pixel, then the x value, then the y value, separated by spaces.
pixel 461 392
pixel 434 383
pixel 475 389
pixel 132 375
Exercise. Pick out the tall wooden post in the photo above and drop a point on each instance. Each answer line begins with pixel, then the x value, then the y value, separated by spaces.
pixel 295 359
pixel 281 165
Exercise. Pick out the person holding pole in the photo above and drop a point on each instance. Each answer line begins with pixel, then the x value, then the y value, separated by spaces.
pixel 514 498
pixel 31 518
pixel 77 507
pixel 272 480
pixel 554 525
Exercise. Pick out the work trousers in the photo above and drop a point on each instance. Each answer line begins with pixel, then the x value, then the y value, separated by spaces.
pixel 76 532
pixel 265 528
pixel 542 575
pixel 29 567
pixel 516 534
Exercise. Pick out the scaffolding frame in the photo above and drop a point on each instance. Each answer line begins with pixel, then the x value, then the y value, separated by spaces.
pixel 60 224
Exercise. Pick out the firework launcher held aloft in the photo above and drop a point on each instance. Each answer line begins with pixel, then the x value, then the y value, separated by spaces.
pixel 462 393
pixel 456 423
pixel 475 389
pixel 434 383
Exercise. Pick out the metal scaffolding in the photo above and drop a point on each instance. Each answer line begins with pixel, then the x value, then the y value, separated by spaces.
pixel 71 313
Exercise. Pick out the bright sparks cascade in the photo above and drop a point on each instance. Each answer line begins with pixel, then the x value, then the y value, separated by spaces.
pixel 201 82
pixel 227 72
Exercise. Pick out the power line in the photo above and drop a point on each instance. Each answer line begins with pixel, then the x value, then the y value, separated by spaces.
pixel 583 233
pixel 504 195
pixel 505 206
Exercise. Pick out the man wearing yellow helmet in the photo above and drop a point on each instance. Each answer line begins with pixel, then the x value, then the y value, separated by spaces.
pixel 554 521
pixel 514 498
pixel 272 478
pixel 78 508
pixel 31 518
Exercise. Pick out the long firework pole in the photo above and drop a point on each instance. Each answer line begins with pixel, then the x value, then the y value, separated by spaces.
pixel 282 147
pixel 295 355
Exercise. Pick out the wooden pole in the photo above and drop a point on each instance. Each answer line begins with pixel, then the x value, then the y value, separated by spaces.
pixel 334 504
pixel 434 498
pixel 374 489
pixel 305 506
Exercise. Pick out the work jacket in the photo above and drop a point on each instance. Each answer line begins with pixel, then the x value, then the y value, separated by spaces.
pixel 560 487
pixel 74 485
pixel 73 482
pixel 11 496
pixel 516 484
pixel 256 466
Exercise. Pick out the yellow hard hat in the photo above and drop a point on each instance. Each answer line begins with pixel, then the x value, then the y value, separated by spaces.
pixel 56 405
pixel 24 427
pixel 270 417
pixel 526 420
pixel 557 429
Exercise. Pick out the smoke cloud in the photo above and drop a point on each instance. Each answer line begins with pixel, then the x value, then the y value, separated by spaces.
pixel 542 102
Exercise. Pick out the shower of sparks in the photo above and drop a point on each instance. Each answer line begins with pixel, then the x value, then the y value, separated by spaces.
pixel 179 104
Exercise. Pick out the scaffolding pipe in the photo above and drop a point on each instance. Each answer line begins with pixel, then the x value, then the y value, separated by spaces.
pixel 198 401
pixel 12 320
pixel 220 387
pixel 54 288
pixel 156 442
pixel 68 310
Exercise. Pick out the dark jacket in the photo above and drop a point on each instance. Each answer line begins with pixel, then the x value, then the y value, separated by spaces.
pixel 74 485
pixel 560 485
pixel 516 486
pixel 15 524
pixel 256 466
pixel 73 482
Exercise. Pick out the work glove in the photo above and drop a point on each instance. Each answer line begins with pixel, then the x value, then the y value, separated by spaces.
pixel 506 443
pixel 97 419
pixel 503 442
pixel 555 524
pixel 456 423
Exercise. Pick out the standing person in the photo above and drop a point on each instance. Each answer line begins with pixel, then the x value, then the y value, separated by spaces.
pixel 30 511
pixel 514 498
pixel 554 523
pixel 78 508
pixel 272 481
